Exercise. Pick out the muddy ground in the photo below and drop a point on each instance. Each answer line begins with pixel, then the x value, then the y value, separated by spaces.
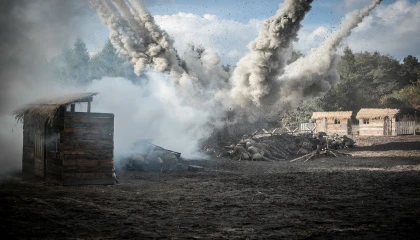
pixel 374 194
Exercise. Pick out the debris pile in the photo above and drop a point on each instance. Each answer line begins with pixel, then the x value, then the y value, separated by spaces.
pixel 326 146
pixel 277 147
pixel 149 157
pixel 269 148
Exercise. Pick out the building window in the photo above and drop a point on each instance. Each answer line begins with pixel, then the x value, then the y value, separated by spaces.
pixel 365 121
pixel 336 121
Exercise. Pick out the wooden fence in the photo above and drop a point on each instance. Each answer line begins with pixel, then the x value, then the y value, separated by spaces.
pixel 405 127
pixel 307 127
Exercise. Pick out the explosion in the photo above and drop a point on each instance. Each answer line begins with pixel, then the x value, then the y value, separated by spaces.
pixel 261 85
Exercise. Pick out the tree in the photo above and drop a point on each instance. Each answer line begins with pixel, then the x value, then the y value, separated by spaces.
pixel 78 63
pixel 344 95
pixel 301 114
pixel 410 70
pixel 364 79
pixel 408 97
pixel 108 63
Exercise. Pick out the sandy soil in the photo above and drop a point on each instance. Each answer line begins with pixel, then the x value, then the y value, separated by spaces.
pixel 374 194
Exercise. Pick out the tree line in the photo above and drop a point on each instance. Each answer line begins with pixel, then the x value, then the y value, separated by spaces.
pixel 74 66
pixel 367 79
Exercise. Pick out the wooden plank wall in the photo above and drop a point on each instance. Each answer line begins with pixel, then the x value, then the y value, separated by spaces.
pixel 375 127
pixel 39 152
pixel 332 128
pixel 52 155
pixel 28 151
pixel 87 148
pixel 340 129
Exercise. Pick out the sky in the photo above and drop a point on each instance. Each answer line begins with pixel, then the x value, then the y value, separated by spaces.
pixel 227 26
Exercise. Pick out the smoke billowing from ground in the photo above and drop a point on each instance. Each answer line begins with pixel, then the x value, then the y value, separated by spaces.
pixel 30 32
pixel 188 99
pixel 150 111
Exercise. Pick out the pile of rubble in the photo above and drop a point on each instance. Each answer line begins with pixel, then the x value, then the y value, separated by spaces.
pixel 149 157
pixel 281 147
pixel 269 148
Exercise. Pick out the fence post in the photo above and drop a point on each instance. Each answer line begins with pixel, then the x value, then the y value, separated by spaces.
pixel 414 128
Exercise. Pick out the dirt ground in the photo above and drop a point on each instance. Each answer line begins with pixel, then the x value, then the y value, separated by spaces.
pixel 375 194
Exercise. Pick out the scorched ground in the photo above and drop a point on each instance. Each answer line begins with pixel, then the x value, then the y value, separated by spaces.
pixel 374 194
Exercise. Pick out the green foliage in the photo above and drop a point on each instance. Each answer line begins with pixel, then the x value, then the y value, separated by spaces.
pixel 74 66
pixel 408 97
pixel 410 70
pixel 365 79
pixel 78 63
pixel 108 63
pixel 303 113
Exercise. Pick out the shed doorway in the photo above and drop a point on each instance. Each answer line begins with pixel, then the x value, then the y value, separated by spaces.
pixel 387 126
pixel 39 153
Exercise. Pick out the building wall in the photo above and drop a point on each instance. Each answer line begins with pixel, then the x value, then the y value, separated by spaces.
pixel 28 151
pixel 87 148
pixel 41 160
pixel 332 127
pixel 375 127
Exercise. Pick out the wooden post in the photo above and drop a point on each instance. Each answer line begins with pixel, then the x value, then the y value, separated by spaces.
pixel 72 107
pixel 88 107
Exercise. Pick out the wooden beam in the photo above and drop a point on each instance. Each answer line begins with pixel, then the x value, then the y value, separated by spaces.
pixel 88 99
pixel 72 107
pixel 88 107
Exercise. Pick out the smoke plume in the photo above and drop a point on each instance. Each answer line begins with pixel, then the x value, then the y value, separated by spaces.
pixel 256 71
pixel 30 32
pixel 176 114
pixel 261 86
pixel 134 33
pixel 314 74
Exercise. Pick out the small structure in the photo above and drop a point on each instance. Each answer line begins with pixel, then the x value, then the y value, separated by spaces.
pixel 333 122
pixel 67 146
pixel 377 121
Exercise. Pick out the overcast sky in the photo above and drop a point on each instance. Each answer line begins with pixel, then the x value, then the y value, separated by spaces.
pixel 227 26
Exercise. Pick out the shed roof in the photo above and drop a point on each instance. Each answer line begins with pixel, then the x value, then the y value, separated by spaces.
pixel 45 109
pixel 340 115
pixel 376 113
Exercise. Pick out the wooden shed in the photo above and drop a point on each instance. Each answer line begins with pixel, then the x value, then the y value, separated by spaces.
pixel 377 121
pixel 333 122
pixel 65 145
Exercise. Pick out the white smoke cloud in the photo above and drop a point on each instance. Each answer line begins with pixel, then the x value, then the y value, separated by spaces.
pixel 254 74
pixel 390 29
pixel 30 32
pixel 258 81
pixel 397 22
pixel 173 116
pixel 224 36
pixel 314 74
pixel 154 111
